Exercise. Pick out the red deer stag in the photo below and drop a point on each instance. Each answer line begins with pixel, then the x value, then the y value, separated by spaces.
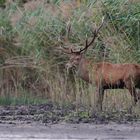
pixel 103 74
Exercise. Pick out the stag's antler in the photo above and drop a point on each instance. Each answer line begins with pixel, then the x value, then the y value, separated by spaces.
pixel 95 33
pixel 66 50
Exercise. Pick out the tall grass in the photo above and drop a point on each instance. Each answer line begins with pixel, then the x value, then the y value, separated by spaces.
pixel 31 61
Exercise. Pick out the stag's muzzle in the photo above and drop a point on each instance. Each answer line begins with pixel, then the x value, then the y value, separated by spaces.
pixel 68 67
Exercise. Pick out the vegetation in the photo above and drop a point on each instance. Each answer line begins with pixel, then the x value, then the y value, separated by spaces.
pixel 33 66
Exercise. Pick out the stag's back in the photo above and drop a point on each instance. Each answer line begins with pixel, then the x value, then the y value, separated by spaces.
pixel 112 74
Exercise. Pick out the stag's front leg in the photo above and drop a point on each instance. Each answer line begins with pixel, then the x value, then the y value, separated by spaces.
pixel 133 94
pixel 100 96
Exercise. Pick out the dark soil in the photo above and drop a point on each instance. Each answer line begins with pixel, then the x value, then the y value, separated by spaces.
pixel 49 121
pixel 49 113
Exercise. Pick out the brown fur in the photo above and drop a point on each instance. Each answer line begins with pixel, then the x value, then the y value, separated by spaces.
pixel 104 75
pixel 107 75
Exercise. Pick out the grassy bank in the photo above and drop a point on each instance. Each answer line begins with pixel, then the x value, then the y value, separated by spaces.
pixel 32 66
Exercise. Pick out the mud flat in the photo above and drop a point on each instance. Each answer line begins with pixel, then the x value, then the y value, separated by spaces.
pixel 41 122
pixel 37 131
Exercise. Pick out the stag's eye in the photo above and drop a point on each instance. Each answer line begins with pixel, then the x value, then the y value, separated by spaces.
pixel 77 58
pixel 71 59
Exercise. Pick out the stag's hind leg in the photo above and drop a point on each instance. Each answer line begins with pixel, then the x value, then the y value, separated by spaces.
pixel 138 94
pixel 131 87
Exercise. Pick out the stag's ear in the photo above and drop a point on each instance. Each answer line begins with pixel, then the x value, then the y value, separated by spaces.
pixel 83 52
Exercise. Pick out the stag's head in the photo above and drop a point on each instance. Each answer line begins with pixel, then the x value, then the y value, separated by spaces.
pixel 77 56
pixel 74 60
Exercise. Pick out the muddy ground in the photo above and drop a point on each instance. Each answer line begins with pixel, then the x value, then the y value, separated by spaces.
pixel 37 131
pixel 54 113
pixel 47 121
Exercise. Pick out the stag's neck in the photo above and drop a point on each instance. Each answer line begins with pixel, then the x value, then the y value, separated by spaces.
pixel 84 69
